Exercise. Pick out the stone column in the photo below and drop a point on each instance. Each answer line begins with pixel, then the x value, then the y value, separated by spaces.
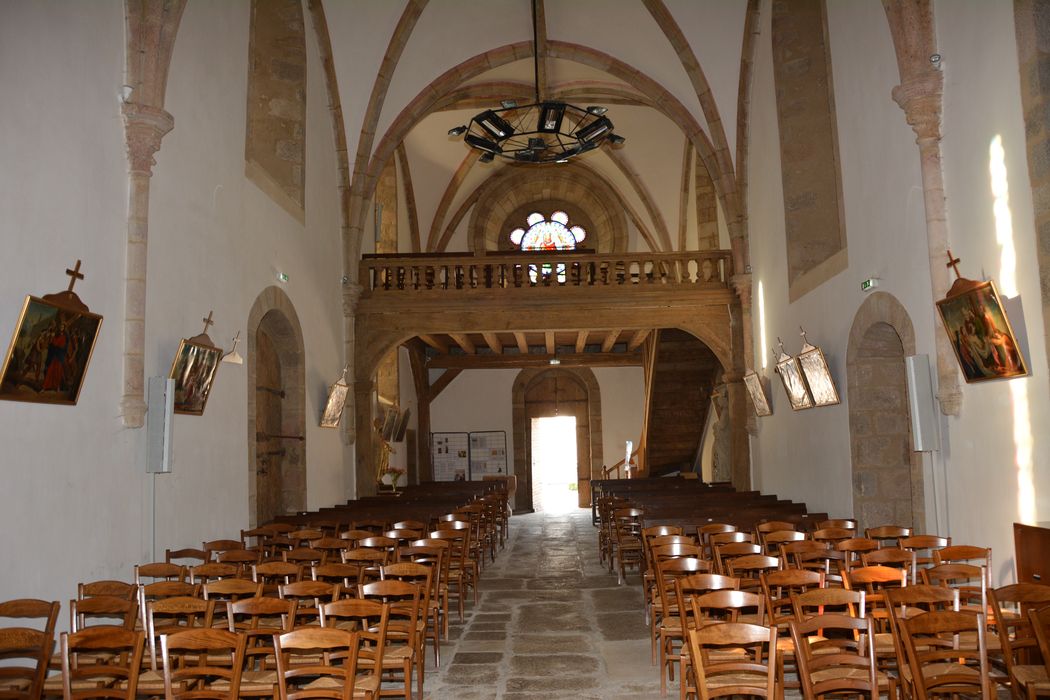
pixel 144 127
pixel 920 98
pixel 741 284
pixel 351 295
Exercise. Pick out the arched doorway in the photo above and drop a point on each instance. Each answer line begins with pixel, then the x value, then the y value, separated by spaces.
pixel 276 409
pixel 887 475
pixel 540 393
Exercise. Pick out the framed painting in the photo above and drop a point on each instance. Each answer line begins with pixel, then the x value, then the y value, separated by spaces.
pixel 794 383
pixel 818 377
pixel 981 335
pixel 333 408
pixel 194 370
pixel 49 353
pixel 757 390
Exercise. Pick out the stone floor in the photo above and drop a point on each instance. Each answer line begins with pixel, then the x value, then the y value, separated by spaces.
pixel 550 623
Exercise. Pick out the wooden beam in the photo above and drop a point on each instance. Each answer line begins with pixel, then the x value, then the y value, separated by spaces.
pixel 637 339
pixel 610 339
pixel 581 341
pixel 493 342
pixel 464 342
pixel 443 381
pixel 586 359
pixel 420 377
pixel 436 343
pixel 523 347
pixel 548 337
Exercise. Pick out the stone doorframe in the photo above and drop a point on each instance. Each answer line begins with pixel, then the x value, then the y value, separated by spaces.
pixel 592 452
pixel 882 308
pixel 274 312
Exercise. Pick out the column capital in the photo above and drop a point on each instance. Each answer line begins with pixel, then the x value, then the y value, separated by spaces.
pixel 741 284
pixel 144 127
pixel 921 98
pixel 351 295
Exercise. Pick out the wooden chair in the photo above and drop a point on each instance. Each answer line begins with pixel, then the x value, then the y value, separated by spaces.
pixel 228 590
pixel 628 524
pixel 403 651
pixel 940 665
pixel 421 575
pixel 818 601
pixel 903 604
pixel 371 619
pixel 303 536
pixel 258 620
pixel 212 571
pixel 704 533
pixel 216 547
pixel 373 525
pixel 303 556
pixel 272 574
pixel 667 628
pixel 686 589
pixel 924 546
pixel 718 674
pixel 1039 620
pixel 309 595
pixel 159 571
pixel 461 574
pixel 725 552
pixel 202 663
pixel 243 559
pixel 102 610
pixel 107 588
pixel 778 587
pixel 875 581
pixel 101 662
pixel 843 523
pixel 435 553
pixel 258 536
pixel 853 548
pixel 887 534
pixel 189 555
pixel 833 534
pixel 969 580
pixel 812 555
pixel 840 662
pixel 893 558
pixel 333 676
pixel 25 650
pixel 332 547
pixel 1010 607
pixel 749 569
pixel 771 541
pixel 171 615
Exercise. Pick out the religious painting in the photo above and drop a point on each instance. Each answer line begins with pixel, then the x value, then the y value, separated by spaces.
pixel 49 353
pixel 194 373
pixel 818 376
pixel 981 335
pixel 757 390
pixel 333 409
pixel 794 383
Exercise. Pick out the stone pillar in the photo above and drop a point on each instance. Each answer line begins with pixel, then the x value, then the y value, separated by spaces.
pixel 351 295
pixel 144 127
pixel 741 284
pixel 920 95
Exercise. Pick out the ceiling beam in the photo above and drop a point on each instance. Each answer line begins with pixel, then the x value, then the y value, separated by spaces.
pixel 610 339
pixel 586 359
pixel 436 343
pixel 548 338
pixel 523 347
pixel 493 342
pixel 443 381
pixel 637 339
pixel 463 342
pixel 581 341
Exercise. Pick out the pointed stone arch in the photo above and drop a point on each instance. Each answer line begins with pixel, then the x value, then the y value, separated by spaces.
pixel 590 453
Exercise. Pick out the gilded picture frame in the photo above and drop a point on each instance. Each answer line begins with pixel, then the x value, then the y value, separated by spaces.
pixel 193 370
pixel 333 408
pixel 757 391
pixel 794 383
pixel 818 377
pixel 980 333
pixel 49 353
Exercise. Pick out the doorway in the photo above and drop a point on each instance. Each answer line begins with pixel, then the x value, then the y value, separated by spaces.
pixel 553 450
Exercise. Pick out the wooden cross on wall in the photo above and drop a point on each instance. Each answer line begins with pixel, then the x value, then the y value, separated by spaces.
pixel 74 275
pixel 954 264
pixel 207 322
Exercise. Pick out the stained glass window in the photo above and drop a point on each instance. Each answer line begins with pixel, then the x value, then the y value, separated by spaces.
pixel 547 234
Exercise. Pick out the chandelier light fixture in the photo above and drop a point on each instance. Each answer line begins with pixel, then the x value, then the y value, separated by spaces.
pixel 545 131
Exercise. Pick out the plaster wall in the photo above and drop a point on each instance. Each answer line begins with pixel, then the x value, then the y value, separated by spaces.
pixel 806 455
pixel 215 243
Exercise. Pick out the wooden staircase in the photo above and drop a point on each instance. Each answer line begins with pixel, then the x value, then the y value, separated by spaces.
pixel 680 379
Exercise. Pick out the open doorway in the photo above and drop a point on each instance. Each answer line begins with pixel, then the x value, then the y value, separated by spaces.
pixel 554 478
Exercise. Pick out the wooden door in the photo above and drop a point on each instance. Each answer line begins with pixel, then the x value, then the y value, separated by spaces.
pixel 269 452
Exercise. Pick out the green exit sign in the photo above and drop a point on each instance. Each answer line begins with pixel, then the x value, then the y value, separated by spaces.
pixel 869 284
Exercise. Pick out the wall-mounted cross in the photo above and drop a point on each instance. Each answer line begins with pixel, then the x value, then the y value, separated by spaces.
pixel 207 322
pixel 74 275
pixel 954 264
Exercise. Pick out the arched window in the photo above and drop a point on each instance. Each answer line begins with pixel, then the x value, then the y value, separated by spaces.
pixel 547 234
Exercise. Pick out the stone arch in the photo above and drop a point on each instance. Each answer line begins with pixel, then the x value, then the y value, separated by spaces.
pixel 273 313
pixel 585 196
pixel 590 453
pixel 887 476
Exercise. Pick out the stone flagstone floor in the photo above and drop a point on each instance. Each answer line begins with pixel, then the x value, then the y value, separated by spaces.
pixel 551 622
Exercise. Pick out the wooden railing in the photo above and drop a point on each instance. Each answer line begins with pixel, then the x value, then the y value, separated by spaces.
pixel 710 269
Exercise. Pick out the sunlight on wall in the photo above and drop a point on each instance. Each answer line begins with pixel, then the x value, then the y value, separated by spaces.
pixel 762 323
pixel 1004 235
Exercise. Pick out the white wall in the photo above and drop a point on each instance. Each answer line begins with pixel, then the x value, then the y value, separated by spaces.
pixel 806 455
pixel 215 242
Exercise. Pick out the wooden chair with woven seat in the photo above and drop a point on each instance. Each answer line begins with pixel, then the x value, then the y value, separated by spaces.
pixel 818 601
pixel 212 571
pixel 749 569
pixel 380 543
pixel 894 559
pixel 842 523
pixel 103 610
pixel 752 671
pixel 971 581
pixel 24 649
pixel 370 619
pixel 159 571
pixel 310 596
pixel 670 547
pixel 887 534
pixel 354 536
pixel 1039 621
pixel 216 547
pixel 332 676
pixel 403 651
pixel 771 541
pixel 303 556
pixel 725 552
pixel 778 587
pixel 767 526
pixel 717 607
pixel 853 549
pixel 686 588
pixel 202 663
pixel 628 524
pixel 812 555
pixel 108 588
pixel 373 525
pixel 840 662
pixel 704 533
pixel 833 534
pixel 243 559
pixel 903 604
pixel 435 553
pixel 461 574
pixel 421 575
pixel 258 620
pixel 924 546
pixel 165 616
pixel 101 662
pixel 272 574
pixel 666 629
pixel 1010 607
pixel 228 590
pixel 254 537
pixel 938 664
pixel 187 556
pixel 346 575
pixel 875 581
pixel 332 547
